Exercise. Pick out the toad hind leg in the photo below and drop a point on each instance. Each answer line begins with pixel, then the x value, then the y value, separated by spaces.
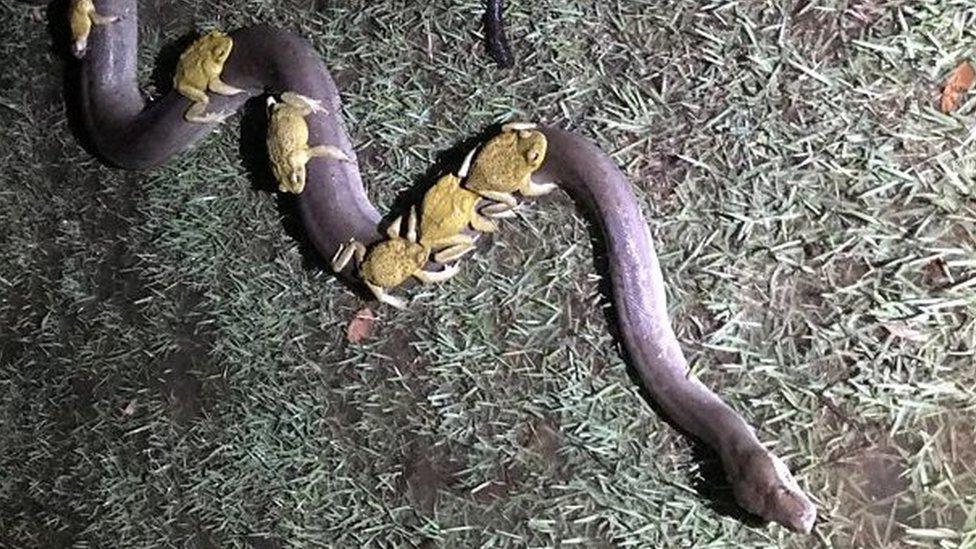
pixel 346 252
pixel 296 162
pixel 452 248
pixel 298 159
pixel 498 196
pixel 195 114
pixel 307 104
pixel 498 211
pixel 217 85
pixel 329 151
pixel 79 46
pixel 519 126
pixel 198 103
pixel 82 17
pixel 506 203
pixel 99 19
pixel 482 224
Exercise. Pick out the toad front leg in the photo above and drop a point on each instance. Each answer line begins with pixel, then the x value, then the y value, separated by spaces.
pixel 537 189
pixel 506 202
pixel 503 207
pixel 200 101
pixel 99 19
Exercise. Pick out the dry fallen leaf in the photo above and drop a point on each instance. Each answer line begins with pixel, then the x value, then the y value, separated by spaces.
pixel 958 82
pixel 901 330
pixel 361 325
pixel 936 272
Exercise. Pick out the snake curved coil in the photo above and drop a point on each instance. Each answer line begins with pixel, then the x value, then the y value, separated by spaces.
pixel 334 208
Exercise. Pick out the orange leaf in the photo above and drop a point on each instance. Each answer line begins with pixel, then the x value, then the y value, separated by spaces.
pixel 959 81
pixel 361 325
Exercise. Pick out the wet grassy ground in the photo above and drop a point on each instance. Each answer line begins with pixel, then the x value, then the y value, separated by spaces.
pixel 175 372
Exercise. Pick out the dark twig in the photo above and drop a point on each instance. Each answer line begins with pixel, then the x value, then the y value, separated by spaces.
pixel 495 33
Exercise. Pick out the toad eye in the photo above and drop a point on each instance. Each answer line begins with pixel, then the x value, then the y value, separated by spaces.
pixel 532 156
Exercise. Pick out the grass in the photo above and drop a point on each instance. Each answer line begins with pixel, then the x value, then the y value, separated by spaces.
pixel 174 372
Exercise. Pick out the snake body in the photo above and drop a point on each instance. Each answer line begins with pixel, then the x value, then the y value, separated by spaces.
pixel 334 208
pixel 761 482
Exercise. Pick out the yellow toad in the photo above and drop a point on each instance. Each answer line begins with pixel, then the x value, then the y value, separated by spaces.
pixel 389 263
pixel 288 147
pixel 504 165
pixel 198 70
pixel 446 211
pixel 82 16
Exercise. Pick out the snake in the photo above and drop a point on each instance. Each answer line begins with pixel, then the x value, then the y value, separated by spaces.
pixel 131 133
